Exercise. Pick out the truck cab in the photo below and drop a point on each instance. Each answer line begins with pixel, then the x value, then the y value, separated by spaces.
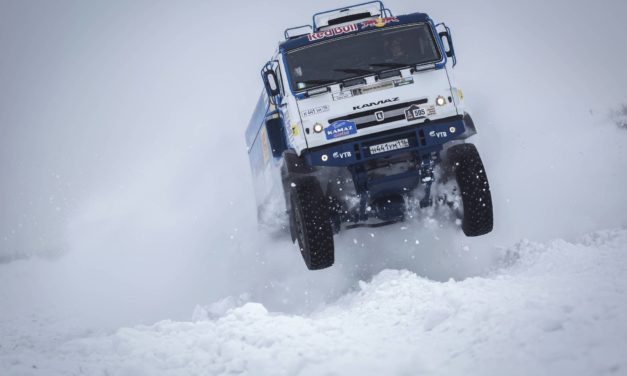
pixel 358 110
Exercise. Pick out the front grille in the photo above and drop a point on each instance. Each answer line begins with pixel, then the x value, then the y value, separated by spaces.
pixel 365 119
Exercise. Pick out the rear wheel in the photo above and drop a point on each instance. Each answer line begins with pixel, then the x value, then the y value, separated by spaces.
pixel 311 223
pixel 472 180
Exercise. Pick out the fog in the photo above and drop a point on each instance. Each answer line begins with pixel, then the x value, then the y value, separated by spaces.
pixel 126 194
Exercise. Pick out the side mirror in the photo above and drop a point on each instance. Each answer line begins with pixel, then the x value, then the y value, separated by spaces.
pixel 446 41
pixel 271 82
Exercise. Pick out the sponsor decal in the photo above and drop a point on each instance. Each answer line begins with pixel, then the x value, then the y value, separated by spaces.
pixel 340 128
pixel 440 134
pixel 342 95
pixel 404 81
pixel 373 88
pixel 265 148
pixel 332 32
pixel 342 155
pixel 286 116
pixel 379 22
pixel 287 121
pixel 378 103
pixel 314 111
pixel 415 112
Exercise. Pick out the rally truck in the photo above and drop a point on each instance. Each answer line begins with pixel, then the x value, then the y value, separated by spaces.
pixel 360 119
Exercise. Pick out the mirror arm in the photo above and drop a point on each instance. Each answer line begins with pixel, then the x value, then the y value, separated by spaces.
pixel 451 50
pixel 267 74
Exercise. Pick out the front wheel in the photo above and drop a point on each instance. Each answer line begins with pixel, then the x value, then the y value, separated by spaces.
pixel 311 223
pixel 473 184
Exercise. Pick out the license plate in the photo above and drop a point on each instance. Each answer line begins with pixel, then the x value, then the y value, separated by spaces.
pixel 389 146
pixel 416 112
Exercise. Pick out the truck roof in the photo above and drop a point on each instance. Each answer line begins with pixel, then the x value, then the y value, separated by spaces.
pixel 352 28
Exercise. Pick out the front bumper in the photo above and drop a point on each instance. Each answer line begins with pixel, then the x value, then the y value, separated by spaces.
pixel 423 138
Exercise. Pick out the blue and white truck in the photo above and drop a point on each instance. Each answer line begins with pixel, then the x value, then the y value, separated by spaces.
pixel 359 114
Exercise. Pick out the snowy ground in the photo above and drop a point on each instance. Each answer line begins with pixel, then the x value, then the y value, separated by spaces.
pixel 122 253
pixel 555 308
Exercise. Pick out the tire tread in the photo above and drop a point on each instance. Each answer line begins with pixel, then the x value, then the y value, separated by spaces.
pixel 316 246
pixel 475 189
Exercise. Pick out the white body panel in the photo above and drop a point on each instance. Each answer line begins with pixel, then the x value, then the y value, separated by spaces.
pixel 303 114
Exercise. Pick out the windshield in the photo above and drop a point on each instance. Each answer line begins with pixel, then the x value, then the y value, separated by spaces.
pixel 361 54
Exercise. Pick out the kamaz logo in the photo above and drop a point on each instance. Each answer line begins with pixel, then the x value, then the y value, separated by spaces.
pixel 372 104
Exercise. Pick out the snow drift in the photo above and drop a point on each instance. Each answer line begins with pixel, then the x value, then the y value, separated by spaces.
pixel 554 308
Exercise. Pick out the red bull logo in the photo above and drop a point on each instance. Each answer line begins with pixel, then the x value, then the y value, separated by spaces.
pixel 379 22
pixel 332 32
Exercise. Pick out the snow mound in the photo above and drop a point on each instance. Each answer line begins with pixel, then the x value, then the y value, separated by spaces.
pixel 554 308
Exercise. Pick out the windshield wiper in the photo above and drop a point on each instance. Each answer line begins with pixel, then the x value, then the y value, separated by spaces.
pixel 317 82
pixel 395 69
pixel 354 70
pixel 391 65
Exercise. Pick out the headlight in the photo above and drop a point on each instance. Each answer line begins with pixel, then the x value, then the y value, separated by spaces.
pixel 440 101
pixel 318 128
